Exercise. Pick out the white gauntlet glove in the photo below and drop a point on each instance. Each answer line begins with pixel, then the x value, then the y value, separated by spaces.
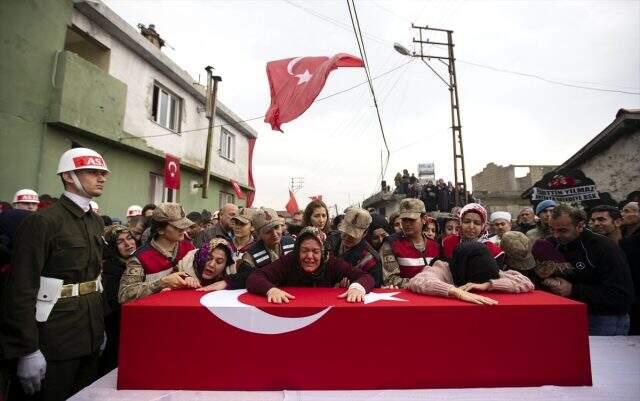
pixel 31 371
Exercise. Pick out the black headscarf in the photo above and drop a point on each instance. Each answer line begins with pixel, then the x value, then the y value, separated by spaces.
pixel 473 263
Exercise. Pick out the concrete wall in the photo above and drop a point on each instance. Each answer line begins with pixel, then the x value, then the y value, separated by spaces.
pixel 495 178
pixel 617 169
pixel 140 77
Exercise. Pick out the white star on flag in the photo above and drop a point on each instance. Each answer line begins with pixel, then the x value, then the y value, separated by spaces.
pixel 304 77
pixel 384 296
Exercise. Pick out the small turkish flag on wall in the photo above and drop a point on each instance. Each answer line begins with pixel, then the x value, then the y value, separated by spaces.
pixel 296 82
pixel 237 189
pixel 171 172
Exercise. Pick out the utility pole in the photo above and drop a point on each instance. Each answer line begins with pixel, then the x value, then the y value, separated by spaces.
pixel 452 84
pixel 296 183
pixel 212 95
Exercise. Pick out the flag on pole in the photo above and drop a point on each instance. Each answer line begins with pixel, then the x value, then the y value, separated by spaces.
pixel 296 82
pixel 292 205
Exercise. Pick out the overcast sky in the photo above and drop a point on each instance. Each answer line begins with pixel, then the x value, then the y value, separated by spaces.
pixel 336 144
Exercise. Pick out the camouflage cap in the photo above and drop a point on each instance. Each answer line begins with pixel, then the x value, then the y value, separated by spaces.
pixel 355 222
pixel 517 251
pixel 411 208
pixel 244 215
pixel 171 213
pixel 265 219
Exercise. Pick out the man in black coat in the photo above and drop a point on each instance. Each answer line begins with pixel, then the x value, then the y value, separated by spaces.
pixel 601 280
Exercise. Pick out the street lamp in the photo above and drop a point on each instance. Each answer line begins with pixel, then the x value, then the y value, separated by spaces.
pixel 401 49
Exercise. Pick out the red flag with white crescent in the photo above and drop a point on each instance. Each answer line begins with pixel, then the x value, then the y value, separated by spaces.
pixel 171 172
pixel 296 82
pixel 292 205
pixel 237 189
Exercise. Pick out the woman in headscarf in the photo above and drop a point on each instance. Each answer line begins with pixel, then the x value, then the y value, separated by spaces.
pixel 472 268
pixel 211 265
pixel 473 228
pixel 309 265
pixel 120 246
pixel 379 229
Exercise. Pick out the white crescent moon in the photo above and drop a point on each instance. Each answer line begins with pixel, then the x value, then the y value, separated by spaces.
pixel 291 64
pixel 226 307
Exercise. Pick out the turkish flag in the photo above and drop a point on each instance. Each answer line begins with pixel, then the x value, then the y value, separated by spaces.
pixel 316 197
pixel 292 205
pixel 296 82
pixel 171 172
pixel 237 189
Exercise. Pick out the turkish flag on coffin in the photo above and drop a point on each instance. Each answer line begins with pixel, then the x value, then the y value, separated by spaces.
pixel 171 172
pixel 296 82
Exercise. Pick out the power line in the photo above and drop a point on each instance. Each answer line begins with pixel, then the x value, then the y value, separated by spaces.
pixel 551 81
pixel 363 54
pixel 335 22
pixel 262 116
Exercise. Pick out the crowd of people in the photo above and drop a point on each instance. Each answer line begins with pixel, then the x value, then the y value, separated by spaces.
pixel 436 196
pixel 66 270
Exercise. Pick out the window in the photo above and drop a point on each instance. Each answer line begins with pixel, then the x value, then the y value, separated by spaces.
pixel 156 188
pixel 227 145
pixel 226 198
pixel 166 108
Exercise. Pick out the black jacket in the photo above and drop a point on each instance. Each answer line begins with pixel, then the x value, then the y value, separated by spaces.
pixel 61 242
pixel 602 279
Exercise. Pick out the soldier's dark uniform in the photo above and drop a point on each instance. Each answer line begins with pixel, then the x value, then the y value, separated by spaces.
pixel 63 242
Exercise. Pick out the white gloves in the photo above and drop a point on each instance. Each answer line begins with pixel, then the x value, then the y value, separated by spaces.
pixel 31 371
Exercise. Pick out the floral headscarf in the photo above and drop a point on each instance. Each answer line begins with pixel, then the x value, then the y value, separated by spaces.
pixel 202 255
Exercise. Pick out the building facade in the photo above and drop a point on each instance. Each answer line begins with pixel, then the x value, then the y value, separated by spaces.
pixel 75 73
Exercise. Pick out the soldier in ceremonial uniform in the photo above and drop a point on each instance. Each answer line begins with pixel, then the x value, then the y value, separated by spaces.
pixel 52 312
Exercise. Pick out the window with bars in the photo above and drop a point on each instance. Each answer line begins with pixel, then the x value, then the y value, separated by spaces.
pixel 166 108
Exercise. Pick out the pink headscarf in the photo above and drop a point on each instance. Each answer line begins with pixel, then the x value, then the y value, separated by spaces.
pixel 476 208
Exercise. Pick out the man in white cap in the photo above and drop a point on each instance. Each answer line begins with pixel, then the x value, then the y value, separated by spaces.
pixel 26 199
pixel 133 211
pixel 501 222
pixel 55 272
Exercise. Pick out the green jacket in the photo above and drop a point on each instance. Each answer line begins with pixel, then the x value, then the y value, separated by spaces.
pixel 61 242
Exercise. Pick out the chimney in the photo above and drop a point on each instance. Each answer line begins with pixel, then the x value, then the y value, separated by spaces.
pixel 151 35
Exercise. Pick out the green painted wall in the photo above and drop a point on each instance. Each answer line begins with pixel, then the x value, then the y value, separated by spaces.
pixel 40 114
pixel 32 32
pixel 128 182
pixel 87 98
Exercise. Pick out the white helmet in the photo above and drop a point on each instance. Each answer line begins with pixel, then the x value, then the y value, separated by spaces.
pixel 26 196
pixel 81 159
pixel 134 210
pixel 94 206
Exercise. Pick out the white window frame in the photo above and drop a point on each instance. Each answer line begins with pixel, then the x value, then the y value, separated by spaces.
pixel 156 188
pixel 163 115
pixel 227 148
pixel 226 197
